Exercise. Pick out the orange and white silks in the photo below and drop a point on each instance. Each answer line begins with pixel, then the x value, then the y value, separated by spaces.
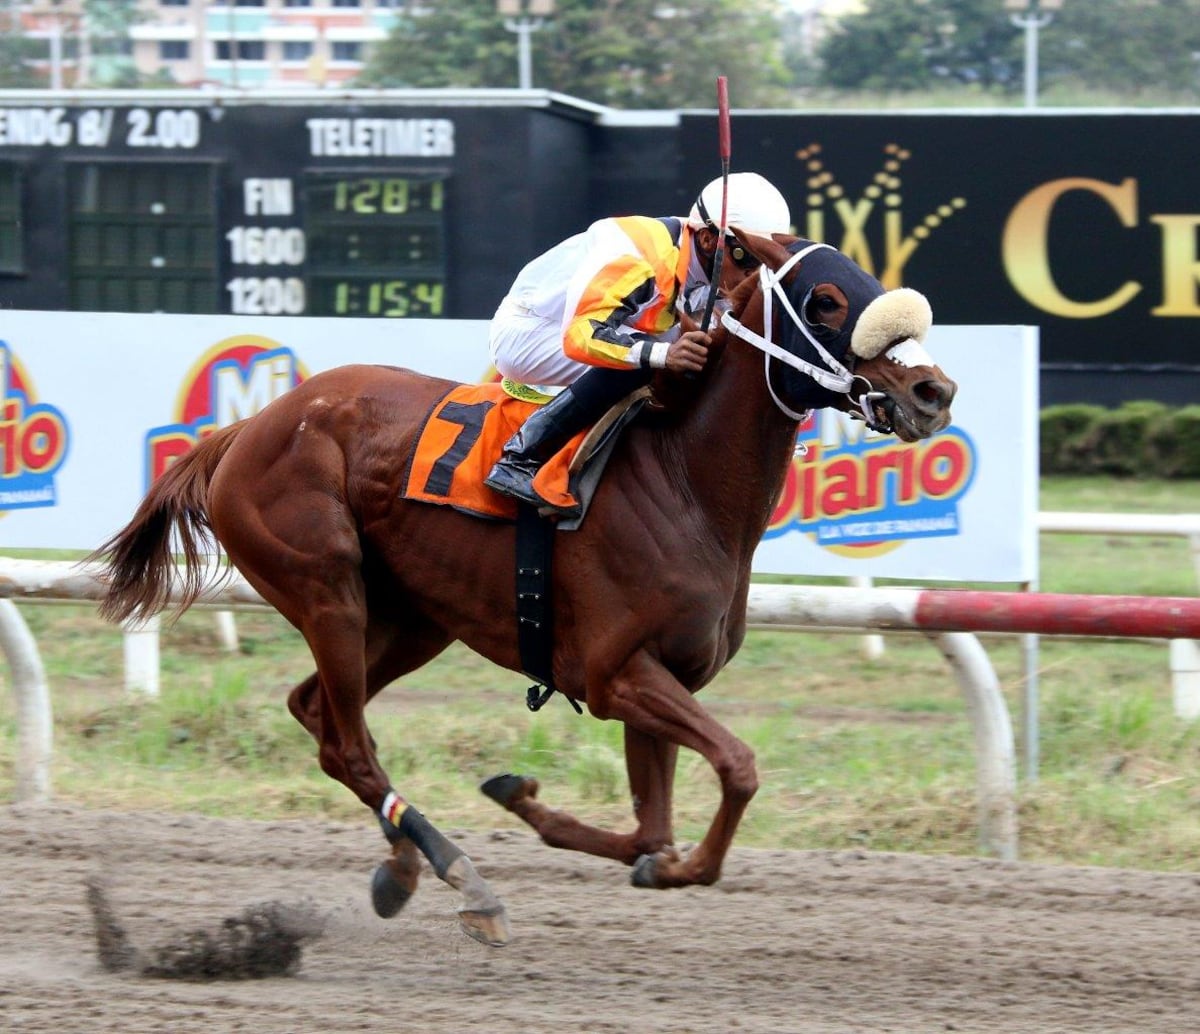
pixel 610 288
pixel 627 288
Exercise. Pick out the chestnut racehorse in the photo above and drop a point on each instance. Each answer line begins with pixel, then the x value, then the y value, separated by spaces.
pixel 649 592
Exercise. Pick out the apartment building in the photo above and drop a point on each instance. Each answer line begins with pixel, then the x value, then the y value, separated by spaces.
pixel 246 44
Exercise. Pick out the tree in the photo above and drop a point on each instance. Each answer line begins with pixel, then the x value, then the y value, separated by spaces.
pixel 1125 45
pixel 919 44
pixel 1120 45
pixel 104 32
pixel 621 53
pixel 18 52
pixel 16 56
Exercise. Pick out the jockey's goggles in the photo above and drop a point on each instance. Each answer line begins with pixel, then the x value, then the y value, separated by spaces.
pixel 740 256
pixel 733 247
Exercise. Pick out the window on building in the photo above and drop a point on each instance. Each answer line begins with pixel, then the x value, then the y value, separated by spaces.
pixel 250 3
pixel 390 3
pixel 297 3
pixel 346 3
pixel 344 50
pixel 174 50
pixel 12 224
pixel 247 50
pixel 173 3
pixel 297 51
pixel 142 237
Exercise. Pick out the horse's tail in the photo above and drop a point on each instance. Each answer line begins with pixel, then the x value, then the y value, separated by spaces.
pixel 139 565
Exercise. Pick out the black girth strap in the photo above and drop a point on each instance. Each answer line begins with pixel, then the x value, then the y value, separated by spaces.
pixel 535 608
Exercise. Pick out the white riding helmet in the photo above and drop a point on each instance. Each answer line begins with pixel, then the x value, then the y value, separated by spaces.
pixel 755 206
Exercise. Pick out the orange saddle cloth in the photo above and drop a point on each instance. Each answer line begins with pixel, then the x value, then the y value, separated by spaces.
pixel 460 443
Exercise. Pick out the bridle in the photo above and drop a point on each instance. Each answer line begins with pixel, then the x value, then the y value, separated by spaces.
pixel 836 378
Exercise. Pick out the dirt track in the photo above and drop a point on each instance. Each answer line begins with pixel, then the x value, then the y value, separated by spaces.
pixel 787 942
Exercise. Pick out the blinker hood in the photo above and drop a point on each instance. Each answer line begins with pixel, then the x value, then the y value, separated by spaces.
pixel 821 266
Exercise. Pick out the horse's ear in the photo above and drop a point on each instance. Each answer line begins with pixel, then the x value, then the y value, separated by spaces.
pixel 770 251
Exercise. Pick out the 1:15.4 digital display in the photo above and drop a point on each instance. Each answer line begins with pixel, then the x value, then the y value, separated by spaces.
pixel 379 297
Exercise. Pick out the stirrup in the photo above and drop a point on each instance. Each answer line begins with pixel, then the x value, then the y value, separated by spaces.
pixel 514 479
pixel 516 482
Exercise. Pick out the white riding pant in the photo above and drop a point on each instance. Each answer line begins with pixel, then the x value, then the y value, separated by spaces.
pixel 528 348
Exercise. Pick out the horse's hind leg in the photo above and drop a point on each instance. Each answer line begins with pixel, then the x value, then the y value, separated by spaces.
pixel 289 507
pixel 320 590
pixel 395 880
pixel 391 655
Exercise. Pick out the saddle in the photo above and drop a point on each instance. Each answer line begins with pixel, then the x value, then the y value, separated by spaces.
pixel 465 432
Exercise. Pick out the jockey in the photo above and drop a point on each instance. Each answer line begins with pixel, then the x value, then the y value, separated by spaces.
pixel 599 314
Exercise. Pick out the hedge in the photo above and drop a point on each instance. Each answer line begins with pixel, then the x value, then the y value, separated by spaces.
pixel 1137 439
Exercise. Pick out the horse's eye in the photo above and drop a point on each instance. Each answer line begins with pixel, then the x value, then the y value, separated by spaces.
pixel 826 306
pixel 822 306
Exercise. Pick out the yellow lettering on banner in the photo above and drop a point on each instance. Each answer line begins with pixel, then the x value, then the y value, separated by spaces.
pixel 1181 268
pixel 854 216
pixel 1026 253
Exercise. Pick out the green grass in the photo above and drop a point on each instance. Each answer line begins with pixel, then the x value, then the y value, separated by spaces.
pixel 851 752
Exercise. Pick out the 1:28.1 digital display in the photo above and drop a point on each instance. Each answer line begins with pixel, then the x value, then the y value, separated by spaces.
pixel 390 195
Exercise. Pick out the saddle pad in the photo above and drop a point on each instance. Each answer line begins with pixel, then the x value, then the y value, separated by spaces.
pixel 460 443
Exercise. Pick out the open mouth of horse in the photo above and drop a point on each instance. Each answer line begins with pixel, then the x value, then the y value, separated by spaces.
pixel 890 413
pixel 884 411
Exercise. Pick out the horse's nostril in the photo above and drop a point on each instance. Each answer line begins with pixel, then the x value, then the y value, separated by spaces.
pixel 935 393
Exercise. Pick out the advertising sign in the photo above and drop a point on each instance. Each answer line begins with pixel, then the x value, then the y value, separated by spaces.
pixel 95 406
pixel 1077 222
pixel 961 506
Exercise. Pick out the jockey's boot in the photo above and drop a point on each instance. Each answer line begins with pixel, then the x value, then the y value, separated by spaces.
pixel 552 425
pixel 546 430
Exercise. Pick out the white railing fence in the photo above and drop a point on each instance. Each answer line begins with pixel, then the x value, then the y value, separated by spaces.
pixel 947 617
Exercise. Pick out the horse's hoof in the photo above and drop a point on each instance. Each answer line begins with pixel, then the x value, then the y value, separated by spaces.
pixel 503 788
pixel 645 872
pixel 489 927
pixel 388 895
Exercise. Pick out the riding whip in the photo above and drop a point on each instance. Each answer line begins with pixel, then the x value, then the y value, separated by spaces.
pixel 726 148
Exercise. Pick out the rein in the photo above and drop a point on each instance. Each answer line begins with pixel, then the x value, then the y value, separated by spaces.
pixel 836 378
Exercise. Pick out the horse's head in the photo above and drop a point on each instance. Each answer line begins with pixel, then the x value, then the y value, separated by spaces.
pixel 839 339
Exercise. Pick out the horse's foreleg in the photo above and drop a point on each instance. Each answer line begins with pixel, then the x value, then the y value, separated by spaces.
pixel 304 703
pixel 651 766
pixel 650 763
pixel 648 698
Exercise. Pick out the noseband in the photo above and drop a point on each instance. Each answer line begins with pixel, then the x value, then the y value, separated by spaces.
pixel 836 378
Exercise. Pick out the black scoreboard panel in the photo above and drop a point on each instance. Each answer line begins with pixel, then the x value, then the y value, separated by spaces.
pixel 186 202
pixel 142 237
pixel 12 251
